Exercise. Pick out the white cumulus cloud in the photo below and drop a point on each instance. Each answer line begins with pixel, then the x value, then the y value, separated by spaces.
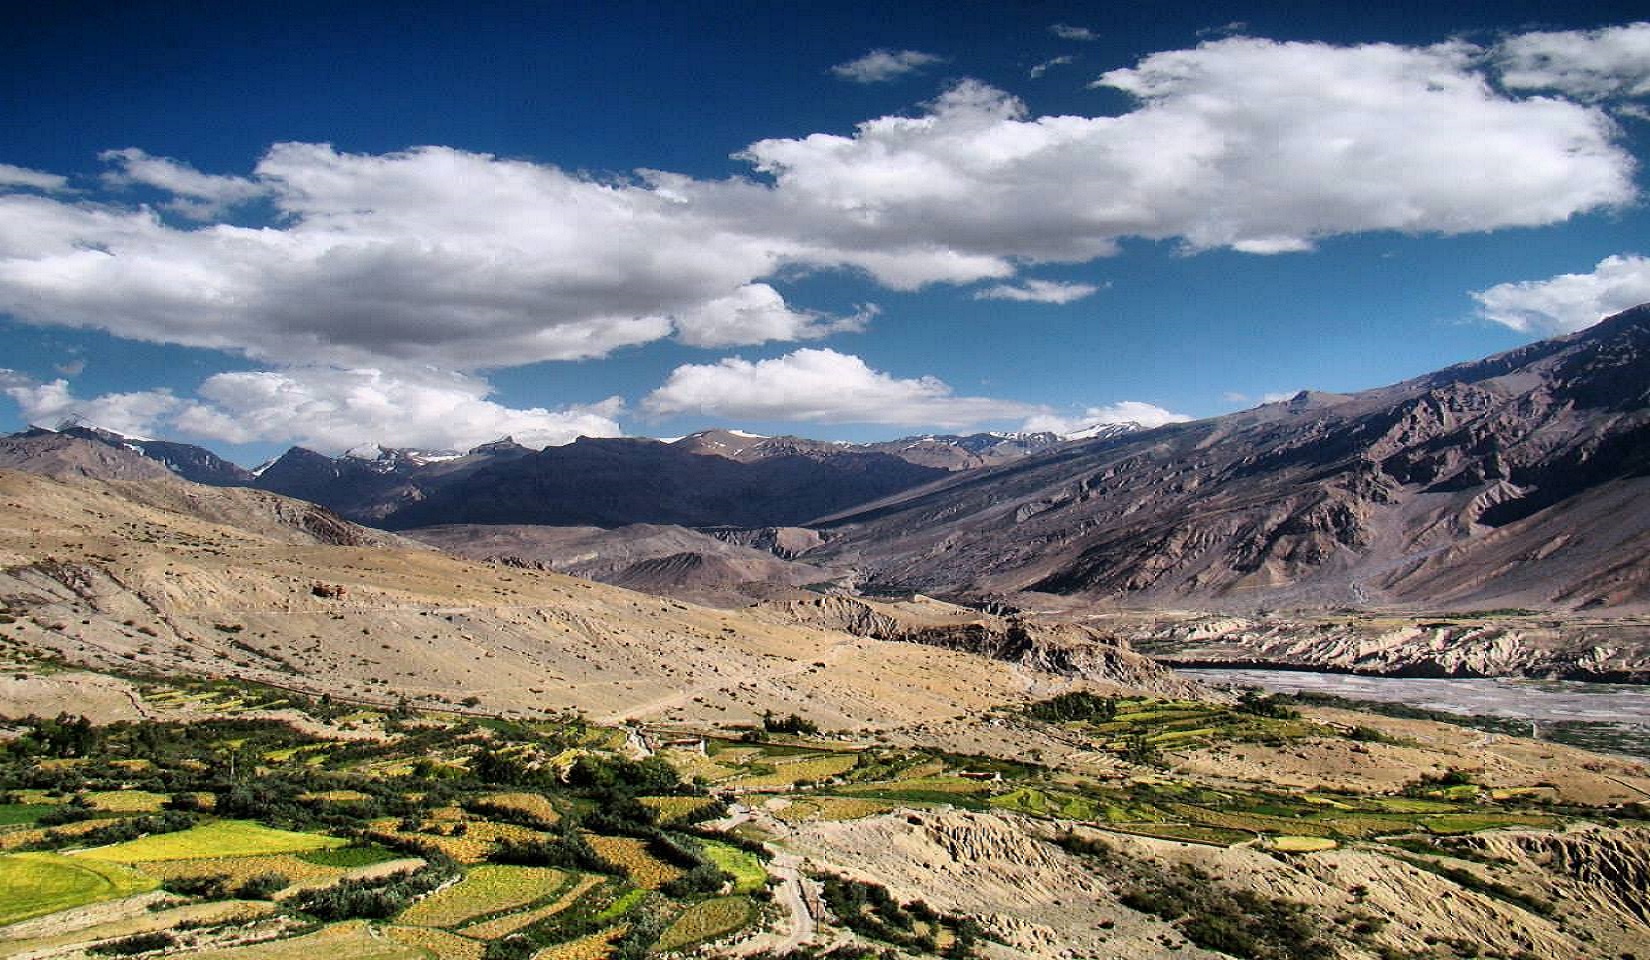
pixel 331 410
pixel 1039 291
pixel 756 313
pixel 1148 415
pixel 1589 64
pixel 1250 144
pixel 200 196
pixel 823 386
pixel 881 66
pixel 1570 301
pixel 325 409
pixel 15 176
pixel 137 414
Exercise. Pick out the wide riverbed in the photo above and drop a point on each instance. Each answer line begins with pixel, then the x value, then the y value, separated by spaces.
pixel 1541 700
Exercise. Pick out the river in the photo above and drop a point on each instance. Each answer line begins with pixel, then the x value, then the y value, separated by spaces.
pixel 1545 701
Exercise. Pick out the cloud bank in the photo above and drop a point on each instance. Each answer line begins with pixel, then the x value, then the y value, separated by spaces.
pixel 322 260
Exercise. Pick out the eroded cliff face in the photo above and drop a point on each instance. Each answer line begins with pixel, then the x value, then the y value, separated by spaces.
pixel 1583 892
pixel 1567 648
pixel 1058 648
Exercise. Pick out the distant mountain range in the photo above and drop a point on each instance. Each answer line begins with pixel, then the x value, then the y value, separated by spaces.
pixel 1519 480
pixel 711 478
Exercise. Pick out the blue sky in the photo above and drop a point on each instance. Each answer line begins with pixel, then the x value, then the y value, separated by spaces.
pixel 433 224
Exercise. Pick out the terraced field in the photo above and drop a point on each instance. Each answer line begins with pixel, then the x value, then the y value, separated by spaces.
pixel 706 920
pixel 485 890
pixel 221 838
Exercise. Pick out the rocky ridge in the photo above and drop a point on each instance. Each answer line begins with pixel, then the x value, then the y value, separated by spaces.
pixel 1520 480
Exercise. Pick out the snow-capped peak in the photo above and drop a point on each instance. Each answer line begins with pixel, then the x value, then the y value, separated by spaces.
pixel 1097 431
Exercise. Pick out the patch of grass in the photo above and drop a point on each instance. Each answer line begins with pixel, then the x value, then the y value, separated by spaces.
pixel 1456 823
pixel 354 855
pixel 1189 832
pixel 12 814
pixel 438 943
pixel 222 838
pixel 706 920
pixel 35 884
pixel 789 772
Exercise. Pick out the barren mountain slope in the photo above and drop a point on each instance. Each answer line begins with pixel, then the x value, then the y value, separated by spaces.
pixel 101 578
pixel 61 455
pixel 1517 480
pixel 668 560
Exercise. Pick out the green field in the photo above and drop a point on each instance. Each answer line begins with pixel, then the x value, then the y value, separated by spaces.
pixel 35 884
pixel 15 813
pixel 222 838
pixel 748 875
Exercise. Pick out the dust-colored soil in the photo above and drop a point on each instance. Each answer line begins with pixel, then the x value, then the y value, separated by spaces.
pixel 98 578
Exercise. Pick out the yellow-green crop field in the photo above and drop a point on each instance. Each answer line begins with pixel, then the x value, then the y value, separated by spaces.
pixel 127 801
pixel 748 874
pixel 221 838
pixel 440 944
pixel 672 809
pixel 831 808
pixel 788 772
pixel 35 884
pixel 238 870
pixel 534 805
pixel 1302 844
pixel 706 920
pixel 486 889
pixel 593 947
pixel 644 868
pixel 510 923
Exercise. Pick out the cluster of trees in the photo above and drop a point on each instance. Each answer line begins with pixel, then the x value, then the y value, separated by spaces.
pixel 377 898
pixel 1077 705
pixel 871 911
pixel 64 736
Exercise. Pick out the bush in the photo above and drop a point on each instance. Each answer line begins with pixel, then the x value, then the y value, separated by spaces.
pixel 136 943
pixel 262 886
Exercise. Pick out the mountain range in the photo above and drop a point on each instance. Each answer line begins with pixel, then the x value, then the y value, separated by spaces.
pixel 1520 480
